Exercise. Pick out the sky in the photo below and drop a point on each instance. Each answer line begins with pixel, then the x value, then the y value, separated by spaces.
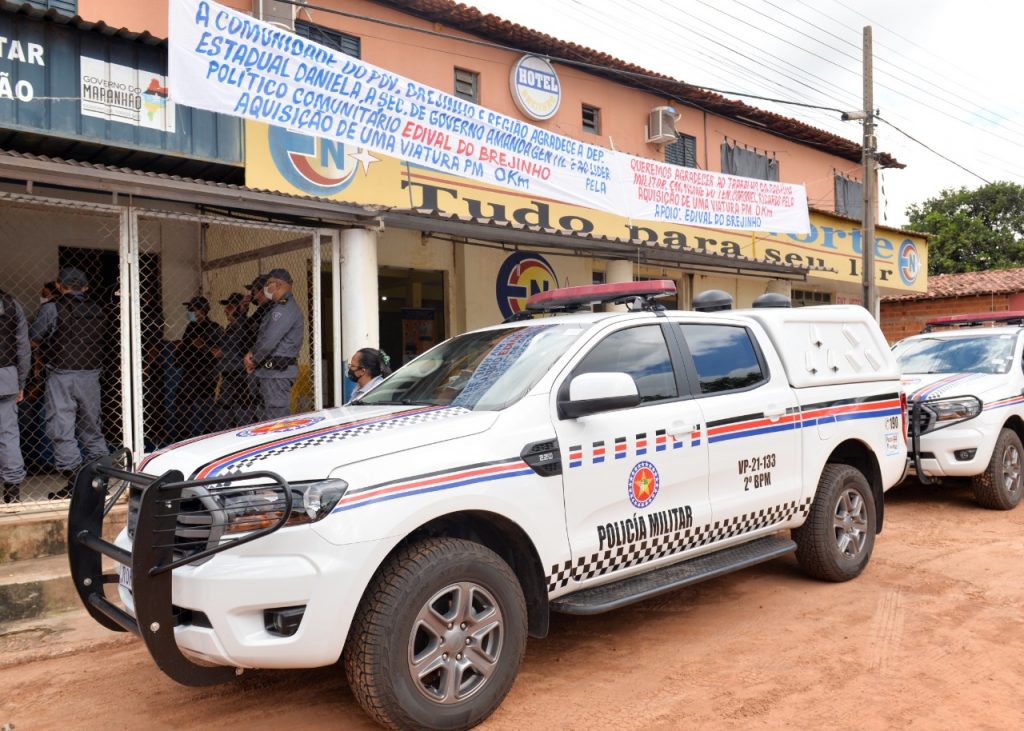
pixel 946 72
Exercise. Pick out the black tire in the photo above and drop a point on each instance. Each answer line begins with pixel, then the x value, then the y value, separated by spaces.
pixel 408 602
pixel 999 486
pixel 836 540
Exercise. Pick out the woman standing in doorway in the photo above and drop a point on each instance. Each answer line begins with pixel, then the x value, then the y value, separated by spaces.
pixel 367 368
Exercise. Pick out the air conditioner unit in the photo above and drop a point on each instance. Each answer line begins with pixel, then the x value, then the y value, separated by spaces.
pixel 282 14
pixel 661 125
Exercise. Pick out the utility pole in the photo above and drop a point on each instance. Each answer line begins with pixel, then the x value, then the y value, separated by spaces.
pixel 868 215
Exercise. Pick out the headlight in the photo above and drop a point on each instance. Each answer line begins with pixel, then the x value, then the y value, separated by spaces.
pixel 255 507
pixel 946 412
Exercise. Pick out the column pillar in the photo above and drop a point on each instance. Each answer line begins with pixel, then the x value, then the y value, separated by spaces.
pixel 779 286
pixel 620 270
pixel 360 301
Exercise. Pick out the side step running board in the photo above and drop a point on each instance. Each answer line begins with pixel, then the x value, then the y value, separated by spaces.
pixel 637 588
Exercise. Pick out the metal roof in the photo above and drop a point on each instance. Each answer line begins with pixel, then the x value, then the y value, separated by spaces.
pixel 92 177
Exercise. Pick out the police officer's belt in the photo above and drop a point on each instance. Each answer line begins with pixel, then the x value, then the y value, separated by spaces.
pixel 278 363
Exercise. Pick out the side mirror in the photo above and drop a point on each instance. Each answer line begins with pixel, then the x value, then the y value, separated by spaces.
pixel 592 393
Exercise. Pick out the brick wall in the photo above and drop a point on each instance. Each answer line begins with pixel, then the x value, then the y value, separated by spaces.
pixel 902 318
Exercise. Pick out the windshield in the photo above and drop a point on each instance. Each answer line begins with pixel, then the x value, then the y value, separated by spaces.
pixel 484 370
pixel 982 354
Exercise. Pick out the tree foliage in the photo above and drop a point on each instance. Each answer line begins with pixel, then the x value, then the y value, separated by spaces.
pixel 973 230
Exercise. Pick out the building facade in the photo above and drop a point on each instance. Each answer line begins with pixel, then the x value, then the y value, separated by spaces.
pixel 101 169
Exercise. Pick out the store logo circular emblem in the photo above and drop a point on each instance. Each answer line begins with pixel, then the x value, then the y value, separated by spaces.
pixel 535 87
pixel 643 484
pixel 521 275
pixel 909 262
pixel 313 165
pixel 279 427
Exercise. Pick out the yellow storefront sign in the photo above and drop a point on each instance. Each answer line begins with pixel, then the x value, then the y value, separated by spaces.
pixel 288 162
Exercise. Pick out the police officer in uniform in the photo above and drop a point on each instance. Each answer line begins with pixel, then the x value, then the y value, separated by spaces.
pixel 15 363
pixel 199 366
pixel 263 304
pixel 69 333
pixel 274 357
pixel 235 402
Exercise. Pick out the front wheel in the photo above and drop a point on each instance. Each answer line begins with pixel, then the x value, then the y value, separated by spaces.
pixel 835 542
pixel 438 638
pixel 999 486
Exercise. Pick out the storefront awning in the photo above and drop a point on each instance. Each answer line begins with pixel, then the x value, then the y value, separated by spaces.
pixel 506 232
pixel 92 178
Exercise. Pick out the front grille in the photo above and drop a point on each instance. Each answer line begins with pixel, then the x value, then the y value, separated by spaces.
pixel 920 420
pixel 134 500
pixel 200 524
pixel 211 516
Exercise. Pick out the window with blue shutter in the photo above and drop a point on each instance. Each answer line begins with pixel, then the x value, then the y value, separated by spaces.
pixel 682 152
pixel 68 7
pixel 349 45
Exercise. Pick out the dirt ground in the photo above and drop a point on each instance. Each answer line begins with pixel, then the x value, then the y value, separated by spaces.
pixel 931 636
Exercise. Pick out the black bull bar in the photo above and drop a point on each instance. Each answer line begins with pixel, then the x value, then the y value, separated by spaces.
pixel 152 557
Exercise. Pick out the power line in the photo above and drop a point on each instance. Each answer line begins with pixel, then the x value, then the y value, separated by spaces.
pixel 909 136
pixel 882 62
pixel 945 82
pixel 605 70
pixel 841 67
pixel 560 59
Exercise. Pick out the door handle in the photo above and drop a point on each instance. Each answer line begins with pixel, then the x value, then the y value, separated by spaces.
pixel 773 412
pixel 682 429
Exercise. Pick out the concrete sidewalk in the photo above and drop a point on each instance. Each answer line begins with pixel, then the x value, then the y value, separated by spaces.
pixel 55 635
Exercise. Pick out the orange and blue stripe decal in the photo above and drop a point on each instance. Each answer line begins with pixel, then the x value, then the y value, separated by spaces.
pixel 216 467
pixel 941 386
pixel 750 425
pixel 450 479
pixel 827 412
pixel 184 442
pixel 868 407
pixel 1003 403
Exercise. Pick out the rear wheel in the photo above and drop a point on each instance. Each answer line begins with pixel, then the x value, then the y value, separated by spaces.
pixel 438 638
pixel 835 542
pixel 999 486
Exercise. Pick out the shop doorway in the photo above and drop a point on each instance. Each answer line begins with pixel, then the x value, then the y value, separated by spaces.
pixel 412 312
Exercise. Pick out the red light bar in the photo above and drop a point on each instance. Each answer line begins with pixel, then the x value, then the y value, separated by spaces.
pixel 567 297
pixel 976 318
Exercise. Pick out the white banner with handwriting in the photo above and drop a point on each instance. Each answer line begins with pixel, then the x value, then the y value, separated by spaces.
pixel 224 61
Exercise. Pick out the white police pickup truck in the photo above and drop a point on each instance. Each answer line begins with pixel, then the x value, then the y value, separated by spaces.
pixel 573 463
pixel 965 392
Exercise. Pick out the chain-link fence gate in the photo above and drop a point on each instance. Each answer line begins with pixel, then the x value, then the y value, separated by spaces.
pixel 202 308
pixel 73 401
pixel 174 314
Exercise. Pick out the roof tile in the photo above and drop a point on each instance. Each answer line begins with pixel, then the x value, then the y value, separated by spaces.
pixel 943 286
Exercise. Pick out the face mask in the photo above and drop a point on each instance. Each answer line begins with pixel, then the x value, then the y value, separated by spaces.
pixel 268 294
pixel 43 300
pixel 191 316
pixel 352 375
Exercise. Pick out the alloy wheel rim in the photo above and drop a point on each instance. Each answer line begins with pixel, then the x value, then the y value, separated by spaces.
pixel 455 643
pixel 1011 469
pixel 850 521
